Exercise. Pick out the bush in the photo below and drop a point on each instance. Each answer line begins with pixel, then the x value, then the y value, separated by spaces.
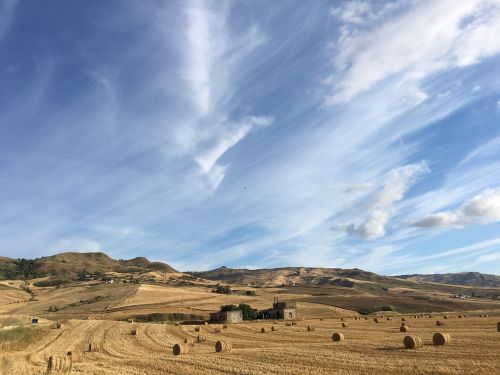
pixel 49 283
pixel 222 289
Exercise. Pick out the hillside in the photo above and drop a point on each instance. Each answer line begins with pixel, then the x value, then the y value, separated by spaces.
pixel 462 278
pixel 68 266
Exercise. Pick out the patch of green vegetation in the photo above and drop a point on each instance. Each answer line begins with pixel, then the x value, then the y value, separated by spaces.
pixel 17 338
pixel 372 310
pixel 50 283
pixel 246 310
pixel 165 317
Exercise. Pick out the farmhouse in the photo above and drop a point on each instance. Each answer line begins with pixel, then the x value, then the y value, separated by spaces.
pixel 286 310
pixel 227 316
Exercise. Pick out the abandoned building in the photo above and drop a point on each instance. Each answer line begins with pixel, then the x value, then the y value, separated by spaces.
pixel 227 316
pixel 286 310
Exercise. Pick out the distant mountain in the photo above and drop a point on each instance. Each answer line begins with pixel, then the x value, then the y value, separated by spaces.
pixel 475 279
pixel 69 265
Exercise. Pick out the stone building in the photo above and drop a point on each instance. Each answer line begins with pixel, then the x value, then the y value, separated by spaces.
pixel 226 317
pixel 286 310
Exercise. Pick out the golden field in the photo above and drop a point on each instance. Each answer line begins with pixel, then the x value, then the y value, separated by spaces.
pixel 97 313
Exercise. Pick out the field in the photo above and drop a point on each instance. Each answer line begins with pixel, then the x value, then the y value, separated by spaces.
pixel 369 347
pixel 98 313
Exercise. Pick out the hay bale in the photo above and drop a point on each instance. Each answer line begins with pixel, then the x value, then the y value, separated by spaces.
pixel 197 329
pixel 275 322
pixel 413 342
pixel 217 330
pixel 445 316
pixel 403 319
pixel 177 324
pixel 403 324
pixel 223 346
pixel 58 325
pixel 345 325
pixel 94 347
pixel 206 323
pixel 320 319
pixel 341 319
pixel 460 316
pixel 337 336
pixel 133 332
pixel 404 328
pixel 430 316
pixel 189 341
pixel 201 339
pixel 224 326
pixel 498 326
pixel 310 328
pixel 288 324
pixel 439 323
pixel 366 318
pixel 274 328
pixel 441 338
pixel 179 349
pixel 376 320
pixel 59 363
pixel 388 318
pixel 294 323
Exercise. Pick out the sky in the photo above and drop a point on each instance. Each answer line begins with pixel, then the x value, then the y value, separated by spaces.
pixel 257 134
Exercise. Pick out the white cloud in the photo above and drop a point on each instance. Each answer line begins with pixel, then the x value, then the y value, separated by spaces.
pixel 7 9
pixel 483 208
pixel 382 205
pixel 430 37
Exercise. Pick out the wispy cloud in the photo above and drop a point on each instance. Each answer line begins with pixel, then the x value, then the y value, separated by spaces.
pixel 483 208
pixel 454 40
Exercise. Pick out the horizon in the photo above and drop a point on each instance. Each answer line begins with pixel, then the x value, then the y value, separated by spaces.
pixel 320 134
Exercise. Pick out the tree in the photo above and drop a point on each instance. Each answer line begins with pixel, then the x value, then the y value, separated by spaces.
pixel 228 308
pixel 247 312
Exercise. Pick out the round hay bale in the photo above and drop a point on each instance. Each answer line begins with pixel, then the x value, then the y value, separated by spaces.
pixel 498 326
pixel 320 319
pixel 403 324
pixel 485 315
pixel 58 325
pixel 224 326
pixel 189 341
pixel 404 328
pixel 179 349
pixel 341 319
pixel 310 328
pixel 274 328
pixel 223 346
pixel 206 323
pixel 376 320
pixel 413 342
pixel 388 318
pixel 403 319
pixel 94 347
pixel 177 324
pixel 460 316
pixel 288 324
pixel 262 330
pixel 366 318
pixel 439 323
pixel 133 332
pixel 338 336
pixel 430 316
pixel 197 329
pixel 441 338
pixel 294 323
pixel 201 339
pixel 445 316
pixel 217 330
pixel 345 325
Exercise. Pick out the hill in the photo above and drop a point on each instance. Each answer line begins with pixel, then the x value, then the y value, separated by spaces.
pixel 461 278
pixel 68 266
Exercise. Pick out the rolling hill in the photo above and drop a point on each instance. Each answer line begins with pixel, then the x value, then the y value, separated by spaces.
pixel 68 266
pixel 461 278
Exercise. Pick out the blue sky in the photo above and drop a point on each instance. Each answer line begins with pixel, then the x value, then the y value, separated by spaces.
pixel 253 133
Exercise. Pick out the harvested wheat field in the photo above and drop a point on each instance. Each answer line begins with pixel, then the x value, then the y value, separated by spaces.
pixel 367 348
